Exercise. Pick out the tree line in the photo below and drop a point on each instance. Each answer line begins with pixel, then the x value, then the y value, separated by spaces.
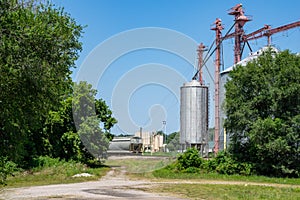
pixel 38 100
pixel 262 105
pixel 44 113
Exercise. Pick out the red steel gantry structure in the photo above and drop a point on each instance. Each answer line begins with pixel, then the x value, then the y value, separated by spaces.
pixel 218 29
pixel 240 20
pixel 240 38
pixel 267 31
pixel 201 49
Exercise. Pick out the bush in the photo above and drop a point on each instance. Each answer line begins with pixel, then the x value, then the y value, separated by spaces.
pixel 55 166
pixel 189 160
pixel 192 170
pixel 223 163
pixel 245 169
pixel 46 161
pixel 6 168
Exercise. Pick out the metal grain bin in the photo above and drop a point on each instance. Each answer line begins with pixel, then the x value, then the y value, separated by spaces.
pixel 194 116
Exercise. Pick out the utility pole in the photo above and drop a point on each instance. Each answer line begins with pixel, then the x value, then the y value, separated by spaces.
pixel 165 130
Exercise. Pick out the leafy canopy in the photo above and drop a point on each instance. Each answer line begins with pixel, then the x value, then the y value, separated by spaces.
pixel 263 113
pixel 74 131
pixel 39 45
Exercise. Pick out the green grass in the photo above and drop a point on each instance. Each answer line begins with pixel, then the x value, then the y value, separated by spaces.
pixel 156 169
pixel 166 173
pixel 232 192
pixel 58 173
pixel 167 154
pixel 140 165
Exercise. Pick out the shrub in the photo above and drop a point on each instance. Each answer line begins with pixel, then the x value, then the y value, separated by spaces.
pixel 46 161
pixel 192 170
pixel 223 163
pixel 6 168
pixel 191 162
pixel 189 159
pixel 245 169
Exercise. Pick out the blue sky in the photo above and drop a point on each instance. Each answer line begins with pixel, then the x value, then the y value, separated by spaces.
pixel 141 84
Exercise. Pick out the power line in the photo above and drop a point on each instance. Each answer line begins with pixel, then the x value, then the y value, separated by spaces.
pixel 208 57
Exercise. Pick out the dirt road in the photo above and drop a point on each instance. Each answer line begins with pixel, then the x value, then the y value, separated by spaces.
pixel 115 185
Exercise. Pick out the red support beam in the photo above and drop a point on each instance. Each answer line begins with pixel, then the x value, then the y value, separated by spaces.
pixel 218 29
pixel 240 20
pixel 267 31
pixel 201 50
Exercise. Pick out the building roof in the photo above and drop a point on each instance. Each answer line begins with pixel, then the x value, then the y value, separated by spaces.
pixel 252 56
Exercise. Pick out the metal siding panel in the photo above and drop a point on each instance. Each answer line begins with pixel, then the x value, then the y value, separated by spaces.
pixel 193 113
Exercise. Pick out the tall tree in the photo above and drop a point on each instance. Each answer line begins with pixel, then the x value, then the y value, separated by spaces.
pixel 89 114
pixel 76 127
pixel 173 143
pixel 263 113
pixel 60 135
pixel 39 44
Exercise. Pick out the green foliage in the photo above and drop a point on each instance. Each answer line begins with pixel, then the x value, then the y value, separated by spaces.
pixel 232 191
pixel 170 173
pixel 6 168
pixel 46 161
pixel 71 145
pixel 105 115
pixel 74 130
pixel 39 45
pixel 223 163
pixel 89 114
pixel 70 167
pixel 92 137
pixel 49 170
pixel 173 143
pixel 263 110
pixel 109 136
pixel 171 136
pixel 161 133
pixel 189 161
pixel 60 133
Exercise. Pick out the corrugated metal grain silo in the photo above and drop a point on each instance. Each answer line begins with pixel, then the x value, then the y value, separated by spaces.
pixel 194 116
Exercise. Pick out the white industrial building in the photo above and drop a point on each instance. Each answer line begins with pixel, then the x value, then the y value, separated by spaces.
pixel 152 142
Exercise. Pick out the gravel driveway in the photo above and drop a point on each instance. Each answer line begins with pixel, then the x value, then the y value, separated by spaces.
pixel 115 185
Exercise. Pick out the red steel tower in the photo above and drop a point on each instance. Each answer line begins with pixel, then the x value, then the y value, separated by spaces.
pixel 201 50
pixel 240 20
pixel 218 29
